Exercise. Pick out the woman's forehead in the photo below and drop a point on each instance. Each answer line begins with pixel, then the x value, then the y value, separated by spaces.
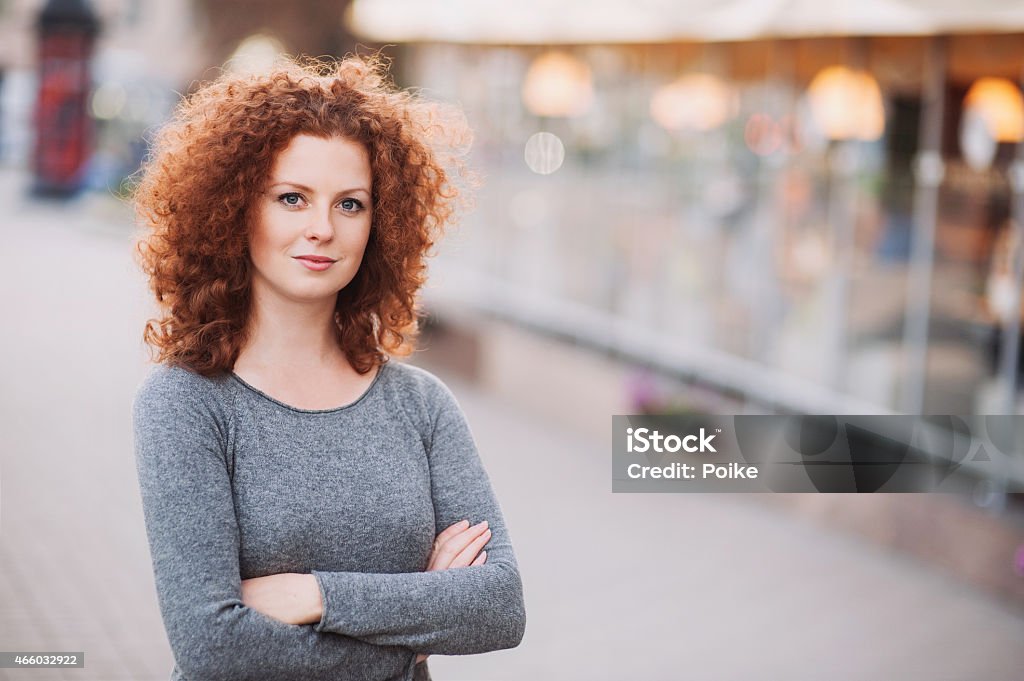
pixel 318 161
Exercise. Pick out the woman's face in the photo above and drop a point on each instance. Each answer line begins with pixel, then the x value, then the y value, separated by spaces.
pixel 313 220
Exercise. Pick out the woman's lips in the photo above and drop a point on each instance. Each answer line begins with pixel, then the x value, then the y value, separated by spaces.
pixel 316 265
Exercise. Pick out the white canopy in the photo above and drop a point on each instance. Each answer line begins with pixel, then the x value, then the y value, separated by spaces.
pixel 636 21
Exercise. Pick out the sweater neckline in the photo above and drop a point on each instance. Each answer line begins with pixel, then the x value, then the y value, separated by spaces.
pixel 332 410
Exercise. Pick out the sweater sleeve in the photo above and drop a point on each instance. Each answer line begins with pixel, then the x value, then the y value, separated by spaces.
pixel 181 460
pixel 460 611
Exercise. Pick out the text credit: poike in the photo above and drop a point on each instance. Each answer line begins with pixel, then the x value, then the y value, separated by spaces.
pixel 644 440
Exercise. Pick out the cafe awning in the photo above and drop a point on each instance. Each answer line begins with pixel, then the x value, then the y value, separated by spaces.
pixel 525 22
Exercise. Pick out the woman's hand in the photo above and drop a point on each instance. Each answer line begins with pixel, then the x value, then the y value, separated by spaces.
pixel 458 546
pixel 289 597
pixel 294 598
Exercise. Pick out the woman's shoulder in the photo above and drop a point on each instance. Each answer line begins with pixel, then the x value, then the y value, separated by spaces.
pixel 421 390
pixel 422 381
pixel 167 384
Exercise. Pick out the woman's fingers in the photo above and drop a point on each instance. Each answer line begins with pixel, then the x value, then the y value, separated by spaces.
pixel 448 533
pixel 480 560
pixel 451 531
pixel 444 554
pixel 468 554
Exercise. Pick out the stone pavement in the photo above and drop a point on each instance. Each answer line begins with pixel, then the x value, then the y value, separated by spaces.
pixel 617 586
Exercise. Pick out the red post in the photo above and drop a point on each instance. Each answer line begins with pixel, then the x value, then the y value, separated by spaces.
pixel 67 31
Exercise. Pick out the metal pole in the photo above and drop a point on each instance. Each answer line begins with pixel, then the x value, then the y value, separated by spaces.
pixel 769 224
pixel 1011 325
pixel 844 166
pixel 928 172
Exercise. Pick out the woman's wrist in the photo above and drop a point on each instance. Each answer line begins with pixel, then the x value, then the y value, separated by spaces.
pixel 291 597
pixel 312 603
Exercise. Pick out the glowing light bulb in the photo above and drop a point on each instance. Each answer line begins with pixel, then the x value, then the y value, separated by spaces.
pixel 558 84
pixel 847 104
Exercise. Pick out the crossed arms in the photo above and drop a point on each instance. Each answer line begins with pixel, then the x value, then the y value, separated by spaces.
pixel 370 625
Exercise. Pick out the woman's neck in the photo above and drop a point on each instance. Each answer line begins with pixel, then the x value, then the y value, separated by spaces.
pixel 291 338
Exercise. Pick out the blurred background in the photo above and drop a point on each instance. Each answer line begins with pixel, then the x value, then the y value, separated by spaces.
pixel 753 206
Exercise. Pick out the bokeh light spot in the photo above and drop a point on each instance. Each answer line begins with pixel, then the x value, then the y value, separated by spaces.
pixel 544 153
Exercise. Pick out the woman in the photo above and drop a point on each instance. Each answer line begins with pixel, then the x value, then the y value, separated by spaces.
pixel 315 510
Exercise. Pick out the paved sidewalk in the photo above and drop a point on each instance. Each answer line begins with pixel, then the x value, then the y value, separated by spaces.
pixel 617 586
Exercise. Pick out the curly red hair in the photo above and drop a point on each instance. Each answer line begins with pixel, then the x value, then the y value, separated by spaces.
pixel 195 196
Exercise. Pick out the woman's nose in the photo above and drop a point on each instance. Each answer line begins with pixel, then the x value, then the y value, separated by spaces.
pixel 320 227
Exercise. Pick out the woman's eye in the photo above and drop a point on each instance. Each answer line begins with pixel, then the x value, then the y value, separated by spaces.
pixel 291 199
pixel 350 205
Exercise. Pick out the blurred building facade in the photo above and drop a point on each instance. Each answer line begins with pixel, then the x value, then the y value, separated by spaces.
pixel 810 223
pixel 311 27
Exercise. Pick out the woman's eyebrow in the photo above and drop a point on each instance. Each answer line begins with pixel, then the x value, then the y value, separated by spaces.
pixel 311 191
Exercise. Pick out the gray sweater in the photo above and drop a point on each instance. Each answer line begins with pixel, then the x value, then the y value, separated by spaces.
pixel 236 484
